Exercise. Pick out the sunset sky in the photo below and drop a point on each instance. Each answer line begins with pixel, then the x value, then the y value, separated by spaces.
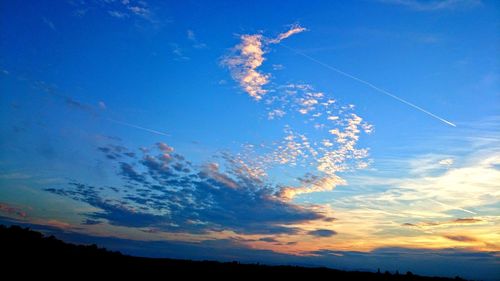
pixel 349 134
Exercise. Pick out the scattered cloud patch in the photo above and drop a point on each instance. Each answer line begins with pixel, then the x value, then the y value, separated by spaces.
pixel 117 14
pixel 173 195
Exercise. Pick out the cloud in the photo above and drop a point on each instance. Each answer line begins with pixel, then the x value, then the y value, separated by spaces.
pixel 49 23
pixel 140 11
pixel 101 105
pixel 405 206
pixel 275 113
pixel 128 172
pixel 459 221
pixel 178 52
pixel 192 37
pixel 13 210
pixel 117 14
pixel 461 238
pixel 327 183
pixel 467 220
pixel 69 101
pixel 268 239
pixel 446 162
pixel 59 224
pixel 295 29
pixel 335 150
pixel 248 56
pixel 434 5
pixel 172 195
pixel 429 164
pixel 94 110
pixel 15 176
pixel 331 155
pixel 322 233
pixel 165 148
pixel 91 222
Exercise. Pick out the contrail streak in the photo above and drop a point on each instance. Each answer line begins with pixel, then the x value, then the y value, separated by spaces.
pixel 369 85
pixel 138 127
pixel 453 207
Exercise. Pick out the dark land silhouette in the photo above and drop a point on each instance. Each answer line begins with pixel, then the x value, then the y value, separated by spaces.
pixel 25 252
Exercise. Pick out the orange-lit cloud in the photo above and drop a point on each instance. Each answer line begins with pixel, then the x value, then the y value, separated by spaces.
pixel 248 56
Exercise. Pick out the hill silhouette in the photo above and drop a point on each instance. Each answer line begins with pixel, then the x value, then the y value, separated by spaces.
pixel 29 252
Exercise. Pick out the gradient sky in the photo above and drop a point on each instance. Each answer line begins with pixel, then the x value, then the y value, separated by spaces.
pixel 351 134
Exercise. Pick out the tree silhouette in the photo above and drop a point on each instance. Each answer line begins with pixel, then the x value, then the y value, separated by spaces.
pixel 50 257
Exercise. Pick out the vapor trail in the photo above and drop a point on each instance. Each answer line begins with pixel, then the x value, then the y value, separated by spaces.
pixel 369 85
pixel 453 207
pixel 137 127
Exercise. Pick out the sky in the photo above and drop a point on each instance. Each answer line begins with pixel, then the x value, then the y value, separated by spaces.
pixel 349 134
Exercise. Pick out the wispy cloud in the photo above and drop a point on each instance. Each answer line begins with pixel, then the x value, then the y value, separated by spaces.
pixel 131 9
pixel 118 14
pixel 178 52
pixel 193 38
pixel 49 23
pixel 459 221
pixel 94 110
pixel 434 5
pixel 294 29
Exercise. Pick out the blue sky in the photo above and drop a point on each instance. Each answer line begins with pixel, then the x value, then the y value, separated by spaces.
pixel 254 126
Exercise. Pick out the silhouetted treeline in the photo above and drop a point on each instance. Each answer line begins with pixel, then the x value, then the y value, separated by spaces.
pixel 29 253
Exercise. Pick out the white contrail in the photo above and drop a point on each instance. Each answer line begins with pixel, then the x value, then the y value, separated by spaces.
pixel 138 127
pixel 369 85
pixel 453 207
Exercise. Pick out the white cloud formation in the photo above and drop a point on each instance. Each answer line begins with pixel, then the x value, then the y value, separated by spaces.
pixel 467 189
pixel 243 65
pixel 334 152
pixel 248 56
